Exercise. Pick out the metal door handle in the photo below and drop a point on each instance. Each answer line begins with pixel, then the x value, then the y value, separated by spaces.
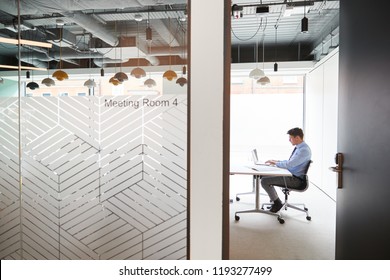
pixel 335 169
pixel 339 159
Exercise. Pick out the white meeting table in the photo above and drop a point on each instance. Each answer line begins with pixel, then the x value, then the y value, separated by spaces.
pixel 257 171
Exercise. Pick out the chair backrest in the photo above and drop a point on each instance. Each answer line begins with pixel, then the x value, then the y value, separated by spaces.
pixel 308 166
pixel 306 177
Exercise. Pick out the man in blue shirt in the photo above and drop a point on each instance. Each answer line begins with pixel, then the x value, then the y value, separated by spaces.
pixel 297 165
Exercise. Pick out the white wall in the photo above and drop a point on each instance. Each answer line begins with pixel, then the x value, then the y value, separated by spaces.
pixel 206 120
pixel 321 121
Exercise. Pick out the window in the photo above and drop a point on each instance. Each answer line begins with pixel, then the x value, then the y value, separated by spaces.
pixel 262 115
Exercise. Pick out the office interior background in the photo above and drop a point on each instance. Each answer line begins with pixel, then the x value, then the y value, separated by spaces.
pixel 306 77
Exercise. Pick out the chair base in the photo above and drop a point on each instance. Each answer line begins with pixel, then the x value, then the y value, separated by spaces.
pixel 297 206
pixel 279 216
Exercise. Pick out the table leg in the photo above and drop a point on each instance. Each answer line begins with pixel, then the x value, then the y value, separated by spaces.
pixel 257 202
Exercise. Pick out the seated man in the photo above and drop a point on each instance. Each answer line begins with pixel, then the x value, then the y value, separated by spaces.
pixel 297 165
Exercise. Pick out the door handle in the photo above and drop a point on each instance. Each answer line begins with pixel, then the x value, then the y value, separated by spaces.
pixel 335 169
pixel 339 159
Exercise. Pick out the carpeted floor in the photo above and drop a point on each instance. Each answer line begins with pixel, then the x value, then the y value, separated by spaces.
pixel 261 236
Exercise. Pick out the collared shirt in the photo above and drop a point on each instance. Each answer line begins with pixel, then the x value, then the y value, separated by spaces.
pixel 298 161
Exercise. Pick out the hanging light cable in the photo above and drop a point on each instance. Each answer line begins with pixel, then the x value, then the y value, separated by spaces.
pixel 48 81
pixel 150 82
pixel 182 80
pixel 121 76
pixel 170 74
pixel 114 81
pixel 256 73
pixel 138 72
pixel 276 48
pixel 59 74
pixel 263 80
pixel 90 83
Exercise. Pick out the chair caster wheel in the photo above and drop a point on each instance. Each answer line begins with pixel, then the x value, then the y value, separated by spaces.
pixel 237 198
pixel 308 218
pixel 281 220
pixel 237 218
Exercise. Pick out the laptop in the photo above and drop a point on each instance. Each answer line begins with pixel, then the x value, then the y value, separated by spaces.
pixel 255 158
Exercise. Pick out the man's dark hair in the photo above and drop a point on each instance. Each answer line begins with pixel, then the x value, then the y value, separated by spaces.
pixel 296 131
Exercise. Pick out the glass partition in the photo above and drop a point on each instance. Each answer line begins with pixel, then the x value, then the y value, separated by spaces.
pixel 98 170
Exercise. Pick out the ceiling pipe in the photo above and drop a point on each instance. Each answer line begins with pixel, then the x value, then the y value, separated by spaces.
pixel 65 54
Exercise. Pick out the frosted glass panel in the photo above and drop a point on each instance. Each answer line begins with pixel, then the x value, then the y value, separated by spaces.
pixel 103 178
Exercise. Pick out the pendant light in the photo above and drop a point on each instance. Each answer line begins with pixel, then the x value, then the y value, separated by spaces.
pixel 138 72
pixel 48 82
pixel 256 73
pixel 90 83
pixel 304 21
pixel 102 69
pixel 182 80
pixel 276 49
pixel 59 74
pixel 263 80
pixel 32 85
pixel 114 81
pixel 169 74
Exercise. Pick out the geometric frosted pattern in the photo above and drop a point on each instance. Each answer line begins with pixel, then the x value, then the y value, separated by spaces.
pixel 102 178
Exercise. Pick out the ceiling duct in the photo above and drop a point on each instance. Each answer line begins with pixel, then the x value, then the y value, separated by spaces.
pixel 65 39
pixel 93 26
pixel 24 26
pixel 34 7
pixel 81 17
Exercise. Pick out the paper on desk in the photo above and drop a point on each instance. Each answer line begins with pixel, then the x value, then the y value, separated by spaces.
pixel 264 167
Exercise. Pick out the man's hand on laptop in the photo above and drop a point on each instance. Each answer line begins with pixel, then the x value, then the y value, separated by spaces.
pixel 271 162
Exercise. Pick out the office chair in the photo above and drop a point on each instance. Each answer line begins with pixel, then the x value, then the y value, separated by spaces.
pixel 297 206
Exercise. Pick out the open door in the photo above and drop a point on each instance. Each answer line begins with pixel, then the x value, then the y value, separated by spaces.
pixel 362 226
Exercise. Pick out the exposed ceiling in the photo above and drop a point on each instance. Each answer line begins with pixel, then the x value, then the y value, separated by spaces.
pixel 280 30
pixel 94 34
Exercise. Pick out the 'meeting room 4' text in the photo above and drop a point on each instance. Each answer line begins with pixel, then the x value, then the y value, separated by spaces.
pixel 145 102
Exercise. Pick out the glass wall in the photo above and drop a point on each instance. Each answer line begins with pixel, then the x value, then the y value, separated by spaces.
pixel 98 171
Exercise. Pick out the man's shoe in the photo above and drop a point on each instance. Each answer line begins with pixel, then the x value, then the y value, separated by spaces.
pixel 276 206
